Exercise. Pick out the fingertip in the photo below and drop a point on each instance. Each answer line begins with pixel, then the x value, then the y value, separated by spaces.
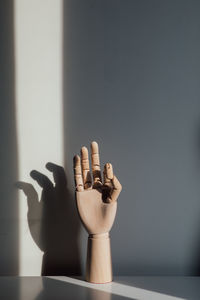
pixel 108 166
pixel 94 147
pixel 76 159
pixel 84 151
pixel 109 170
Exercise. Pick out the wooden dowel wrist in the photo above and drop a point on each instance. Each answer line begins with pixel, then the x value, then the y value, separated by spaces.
pixel 99 263
pixel 99 236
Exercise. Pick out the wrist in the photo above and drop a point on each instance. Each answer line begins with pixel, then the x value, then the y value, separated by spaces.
pixel 99 263
pixel 104 235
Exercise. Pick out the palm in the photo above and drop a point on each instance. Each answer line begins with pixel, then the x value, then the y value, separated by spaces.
pixel 96 215
pixel 96 201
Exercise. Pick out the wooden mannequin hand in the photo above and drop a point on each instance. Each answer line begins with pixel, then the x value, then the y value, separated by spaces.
pixel 97 206
pixel 96 202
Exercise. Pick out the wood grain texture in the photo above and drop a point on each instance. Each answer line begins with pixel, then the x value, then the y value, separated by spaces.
pixel 99 262
pixel 97 217
pixel 97 206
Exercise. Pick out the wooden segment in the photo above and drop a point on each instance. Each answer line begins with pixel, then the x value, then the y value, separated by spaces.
pixel 117 187
pixel 99 262
pixel 111 181
pixel 96 170
pixel 109 171
pixel 87 180
pixel 107 181
pixel 78 174
pixel 108 174
pixel 108 186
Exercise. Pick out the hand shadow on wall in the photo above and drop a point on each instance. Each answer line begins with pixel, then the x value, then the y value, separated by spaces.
pixel 53 222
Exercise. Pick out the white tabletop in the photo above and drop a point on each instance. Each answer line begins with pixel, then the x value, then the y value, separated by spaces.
pixel 122 288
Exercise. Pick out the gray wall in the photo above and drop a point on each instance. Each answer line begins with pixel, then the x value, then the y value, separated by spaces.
pixel 131 82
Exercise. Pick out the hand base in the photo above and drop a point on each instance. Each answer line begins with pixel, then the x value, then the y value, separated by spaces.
pixel 99 263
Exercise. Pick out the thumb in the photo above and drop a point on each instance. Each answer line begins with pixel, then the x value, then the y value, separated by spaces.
pixel 117 187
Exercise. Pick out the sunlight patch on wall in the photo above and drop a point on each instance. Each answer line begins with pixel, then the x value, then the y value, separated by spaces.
pixel 38 56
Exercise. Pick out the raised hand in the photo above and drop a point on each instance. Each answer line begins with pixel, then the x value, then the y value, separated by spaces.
pixel 97 205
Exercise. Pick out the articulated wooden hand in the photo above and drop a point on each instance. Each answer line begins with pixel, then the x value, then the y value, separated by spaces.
pixel 97 205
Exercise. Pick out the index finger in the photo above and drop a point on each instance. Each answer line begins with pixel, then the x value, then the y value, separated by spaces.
pixel 78 174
